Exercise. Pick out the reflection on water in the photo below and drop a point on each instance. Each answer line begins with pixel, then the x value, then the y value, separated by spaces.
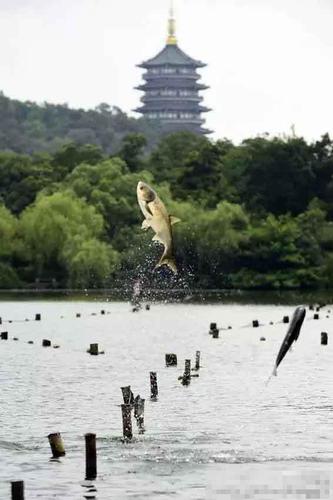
pixel 225 435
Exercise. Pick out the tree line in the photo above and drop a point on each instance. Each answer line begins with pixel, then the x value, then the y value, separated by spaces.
pixel 254 215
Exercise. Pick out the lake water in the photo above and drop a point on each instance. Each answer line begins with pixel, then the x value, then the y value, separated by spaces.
pixel 225 436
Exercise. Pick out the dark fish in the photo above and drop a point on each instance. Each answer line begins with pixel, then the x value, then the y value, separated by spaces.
pixel 291 335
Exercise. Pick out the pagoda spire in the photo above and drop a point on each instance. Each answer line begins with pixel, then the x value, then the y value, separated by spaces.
pixel 171 40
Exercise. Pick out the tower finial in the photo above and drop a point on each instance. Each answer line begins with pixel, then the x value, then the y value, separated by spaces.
pixel 171 40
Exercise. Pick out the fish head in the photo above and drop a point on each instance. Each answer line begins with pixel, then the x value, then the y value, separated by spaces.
pixel 145 193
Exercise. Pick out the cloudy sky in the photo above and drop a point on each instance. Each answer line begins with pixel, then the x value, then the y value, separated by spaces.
pixel 270 62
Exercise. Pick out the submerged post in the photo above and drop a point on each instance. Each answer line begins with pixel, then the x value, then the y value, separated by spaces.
pixel 139 413
pixel 171 359
pixel 285 319
pixel 255 323
pixel 37 317
pixel 197 360
pixel 215 333
pixel 4 335
pixel 46 343
pixel 91 456
pixel 186 379
pixel 57 445
pixel 153 385
pixel 17 490
pixel 127 422
pixel 93 349
pixel 324 338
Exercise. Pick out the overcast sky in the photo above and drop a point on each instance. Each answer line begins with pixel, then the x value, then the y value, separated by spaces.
pixel 270 62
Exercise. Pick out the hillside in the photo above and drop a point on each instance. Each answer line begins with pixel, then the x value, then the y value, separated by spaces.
pixel 27 127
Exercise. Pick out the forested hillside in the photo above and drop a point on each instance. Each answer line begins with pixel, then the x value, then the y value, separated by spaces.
pixel 254 215
pixel 26 127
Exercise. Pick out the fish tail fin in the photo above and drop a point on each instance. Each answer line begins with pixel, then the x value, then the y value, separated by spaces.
pixel 169 261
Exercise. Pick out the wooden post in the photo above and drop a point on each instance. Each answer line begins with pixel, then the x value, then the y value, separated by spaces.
pixel 102 312
pixel 153 385
pixel 37 317
pixel 139 411
pixel 127 422
pixel 4 335
pixel 255 323
pixel 78 315
pixel 46 343
pixel 285 319
pixel 197 360
pixel 186 379
pixel 262 339
pixel 212 328
pixel 57 445
pixel 324 338
pixel 128 395
pixel 93 349
pixel 17 490
pixel 215 333
pixel 171 359
pixel 316 316
pixel 91 456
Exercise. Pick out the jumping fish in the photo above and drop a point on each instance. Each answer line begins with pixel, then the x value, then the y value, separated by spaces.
pixel 157 217
pixel 291 335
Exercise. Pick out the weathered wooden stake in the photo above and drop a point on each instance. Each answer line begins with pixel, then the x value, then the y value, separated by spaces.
pixel 46 343
pixel 215 333
pixel 285 319
pixel 197 360
pixel 128 395
pixel 93 349
pixel 316 316
pixel 91 456
pixel 4 335
pixel 139 413
pixel 212 328
pixel 153 385
pixel 187 372
pixel 37 317
pixel 324 338
pixel 102 312
pixel 57 445
pixel 255 323
pixel 78 315
pixel 127 421
pixel 171 359
pixel 17 490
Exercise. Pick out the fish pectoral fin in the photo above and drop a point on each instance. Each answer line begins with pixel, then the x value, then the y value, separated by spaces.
pixel 157 238
pixel 174 220
pixel 145 224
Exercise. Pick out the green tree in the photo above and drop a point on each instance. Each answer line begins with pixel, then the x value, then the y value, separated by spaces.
pixel 131 151
pixel 49 229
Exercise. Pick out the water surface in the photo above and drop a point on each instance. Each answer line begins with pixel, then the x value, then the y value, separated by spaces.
pixel 227 435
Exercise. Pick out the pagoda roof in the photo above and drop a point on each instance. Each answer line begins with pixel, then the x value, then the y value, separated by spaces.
pixel 180 83
pixel 172 55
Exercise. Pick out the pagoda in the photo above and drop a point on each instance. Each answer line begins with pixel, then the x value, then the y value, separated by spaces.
pixel 171 88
